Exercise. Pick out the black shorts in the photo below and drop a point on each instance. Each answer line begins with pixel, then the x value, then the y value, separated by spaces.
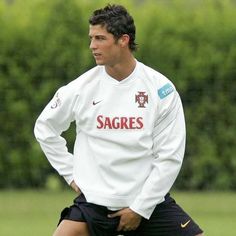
pixel 168 219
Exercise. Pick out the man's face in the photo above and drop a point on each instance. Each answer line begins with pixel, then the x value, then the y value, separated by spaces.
pixel 104 47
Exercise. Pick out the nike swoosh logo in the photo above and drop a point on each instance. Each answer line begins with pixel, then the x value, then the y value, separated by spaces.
pixel 95 103
pixel 184 225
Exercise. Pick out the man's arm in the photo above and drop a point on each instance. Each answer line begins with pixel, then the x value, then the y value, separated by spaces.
pixel 168 151
pixel 56 118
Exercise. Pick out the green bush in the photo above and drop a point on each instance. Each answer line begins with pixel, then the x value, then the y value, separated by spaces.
pixel 44 45
pixel 192 42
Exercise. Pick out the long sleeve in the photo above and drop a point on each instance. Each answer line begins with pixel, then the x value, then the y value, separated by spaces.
pixel 168 151
pixel 56 118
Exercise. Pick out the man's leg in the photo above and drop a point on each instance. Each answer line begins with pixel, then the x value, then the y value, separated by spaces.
pixel 71 228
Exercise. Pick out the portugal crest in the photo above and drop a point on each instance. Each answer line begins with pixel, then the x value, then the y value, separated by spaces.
pixel 141 98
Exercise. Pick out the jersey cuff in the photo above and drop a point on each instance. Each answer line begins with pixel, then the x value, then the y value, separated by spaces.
pixel 68 179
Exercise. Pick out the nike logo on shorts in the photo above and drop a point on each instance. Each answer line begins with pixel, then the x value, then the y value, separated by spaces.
pixel 185 224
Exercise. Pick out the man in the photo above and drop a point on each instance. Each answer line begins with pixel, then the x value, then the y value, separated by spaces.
pixel 130 140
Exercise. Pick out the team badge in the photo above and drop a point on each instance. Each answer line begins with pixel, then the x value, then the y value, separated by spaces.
pixel 141 98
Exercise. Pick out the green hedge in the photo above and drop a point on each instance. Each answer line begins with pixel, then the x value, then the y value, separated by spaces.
pixel 44 45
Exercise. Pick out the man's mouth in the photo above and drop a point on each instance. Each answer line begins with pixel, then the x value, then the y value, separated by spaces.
pixel 97 54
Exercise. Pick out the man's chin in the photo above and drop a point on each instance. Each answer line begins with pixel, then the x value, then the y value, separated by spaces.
pixel 99 63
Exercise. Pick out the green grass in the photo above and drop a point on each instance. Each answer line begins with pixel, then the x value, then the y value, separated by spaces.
pixel 36 213
pixel 31 213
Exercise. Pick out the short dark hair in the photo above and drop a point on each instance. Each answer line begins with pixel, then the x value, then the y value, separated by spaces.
pixel 117 21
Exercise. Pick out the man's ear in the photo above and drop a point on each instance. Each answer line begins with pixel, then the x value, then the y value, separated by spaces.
pixel 124 40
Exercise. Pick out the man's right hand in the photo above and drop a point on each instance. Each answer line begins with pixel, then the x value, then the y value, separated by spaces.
pixel 75 187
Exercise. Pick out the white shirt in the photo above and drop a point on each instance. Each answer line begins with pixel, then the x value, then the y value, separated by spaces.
pixel 130 137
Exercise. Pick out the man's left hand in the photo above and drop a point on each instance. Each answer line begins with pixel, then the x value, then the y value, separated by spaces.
pixel 129 220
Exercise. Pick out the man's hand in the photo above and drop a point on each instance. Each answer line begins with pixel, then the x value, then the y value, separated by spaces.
pixel 129 220
pixel 75 187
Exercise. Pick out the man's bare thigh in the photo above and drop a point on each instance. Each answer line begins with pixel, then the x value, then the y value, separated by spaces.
pixel 71 228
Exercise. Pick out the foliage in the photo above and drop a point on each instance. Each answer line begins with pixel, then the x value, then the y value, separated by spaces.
pixel 192 42
pixel 44 45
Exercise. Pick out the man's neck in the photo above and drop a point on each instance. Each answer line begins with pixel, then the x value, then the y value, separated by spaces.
pixel 122 70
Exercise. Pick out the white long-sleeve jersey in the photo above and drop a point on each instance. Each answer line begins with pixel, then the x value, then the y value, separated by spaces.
pixel 130 137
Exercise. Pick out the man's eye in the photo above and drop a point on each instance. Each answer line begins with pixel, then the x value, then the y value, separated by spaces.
pixel 100 38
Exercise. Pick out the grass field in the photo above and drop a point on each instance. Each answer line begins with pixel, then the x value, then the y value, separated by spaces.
pixel 35 213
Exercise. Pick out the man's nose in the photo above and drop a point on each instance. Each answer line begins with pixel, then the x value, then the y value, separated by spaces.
pixel 92 44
